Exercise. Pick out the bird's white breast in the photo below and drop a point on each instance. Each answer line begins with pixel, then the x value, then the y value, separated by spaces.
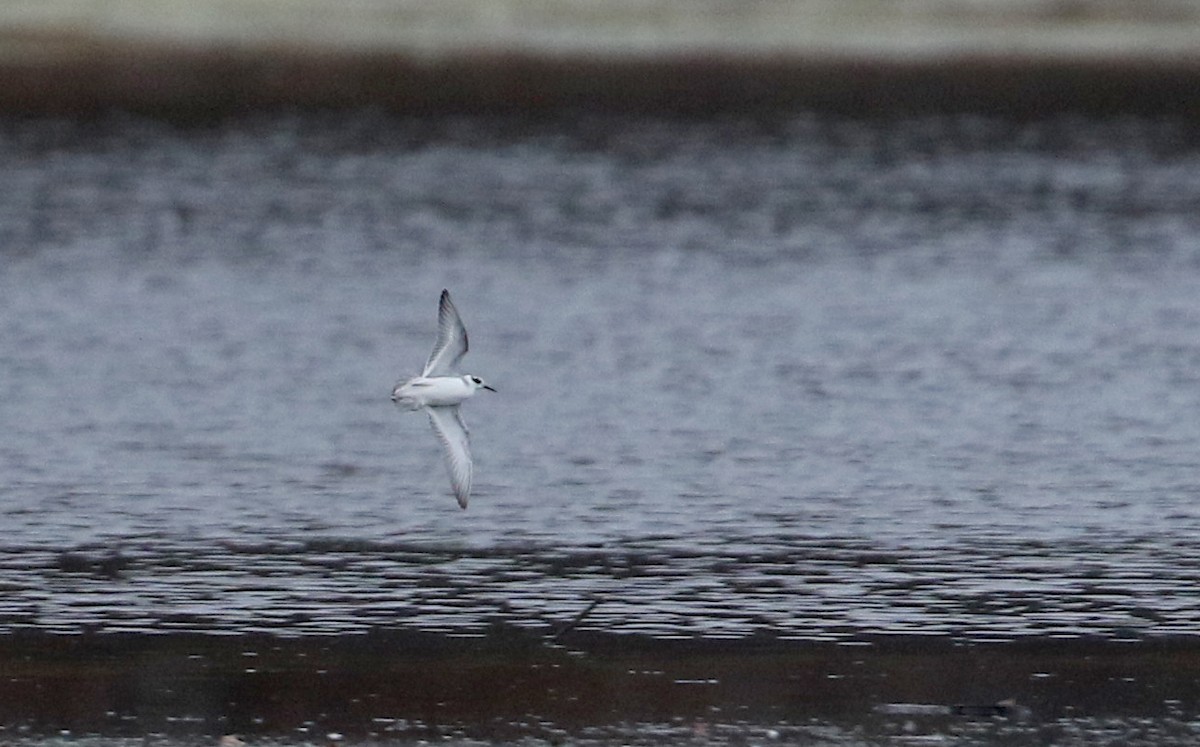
pixel 435 391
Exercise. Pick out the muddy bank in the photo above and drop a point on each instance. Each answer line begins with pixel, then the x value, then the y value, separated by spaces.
pixel 211 58
pixel 199 85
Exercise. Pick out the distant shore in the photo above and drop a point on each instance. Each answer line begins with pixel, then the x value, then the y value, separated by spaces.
pixel 202 57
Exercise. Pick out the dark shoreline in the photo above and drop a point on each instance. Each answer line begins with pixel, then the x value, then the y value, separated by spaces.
pixel 191 85
pixel 488 687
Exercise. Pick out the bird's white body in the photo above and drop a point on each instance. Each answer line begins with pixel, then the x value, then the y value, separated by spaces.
pixel 434 391
pixel 440 395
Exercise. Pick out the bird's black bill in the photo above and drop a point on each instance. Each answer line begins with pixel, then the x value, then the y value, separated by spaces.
pixel 485 386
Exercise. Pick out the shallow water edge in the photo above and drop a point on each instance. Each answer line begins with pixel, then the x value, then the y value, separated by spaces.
pixel 509 684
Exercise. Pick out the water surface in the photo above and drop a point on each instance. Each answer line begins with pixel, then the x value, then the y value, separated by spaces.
pixel 809 378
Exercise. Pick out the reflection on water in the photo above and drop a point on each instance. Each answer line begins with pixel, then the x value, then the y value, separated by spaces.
pixel 798 379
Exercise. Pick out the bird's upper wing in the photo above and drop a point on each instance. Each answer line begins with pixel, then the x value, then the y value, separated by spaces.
pixel 448 424
pixel 451 343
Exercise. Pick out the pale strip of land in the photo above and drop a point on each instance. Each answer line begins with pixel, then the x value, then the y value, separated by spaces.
pixel 1158 29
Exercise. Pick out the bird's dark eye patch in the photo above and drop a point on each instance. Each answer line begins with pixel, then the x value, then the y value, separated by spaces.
pixel 477 380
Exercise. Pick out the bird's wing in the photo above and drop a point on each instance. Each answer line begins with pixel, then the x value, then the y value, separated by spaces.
pixel 451 343
pixel 448 424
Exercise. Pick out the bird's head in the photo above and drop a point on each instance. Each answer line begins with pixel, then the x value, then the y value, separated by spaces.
pixel 477 383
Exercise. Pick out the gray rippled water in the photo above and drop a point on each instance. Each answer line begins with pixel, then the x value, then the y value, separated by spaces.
pixel 810 377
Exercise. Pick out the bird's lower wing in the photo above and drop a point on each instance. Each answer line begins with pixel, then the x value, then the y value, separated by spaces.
pixel 452 432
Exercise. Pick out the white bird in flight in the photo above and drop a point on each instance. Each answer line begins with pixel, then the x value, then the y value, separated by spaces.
pixel 440 393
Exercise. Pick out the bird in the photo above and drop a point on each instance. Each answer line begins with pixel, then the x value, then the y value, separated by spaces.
pixel 441 393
